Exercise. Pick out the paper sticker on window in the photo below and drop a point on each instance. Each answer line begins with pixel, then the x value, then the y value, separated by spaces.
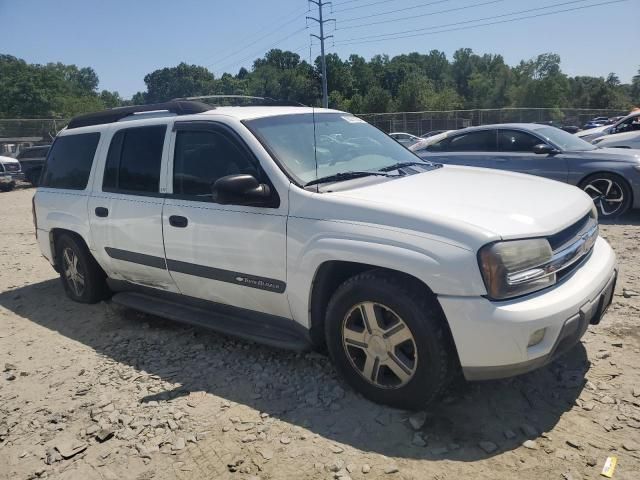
pixel 352 119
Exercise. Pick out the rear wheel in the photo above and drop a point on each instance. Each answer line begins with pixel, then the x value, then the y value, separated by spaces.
pixel 610 193
pixel 83 279
pixel 388 341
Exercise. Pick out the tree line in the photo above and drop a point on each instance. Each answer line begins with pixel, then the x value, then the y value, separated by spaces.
pixel 408 82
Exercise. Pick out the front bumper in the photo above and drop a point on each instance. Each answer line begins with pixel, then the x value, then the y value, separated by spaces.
pixel 492 337
pixel 13 176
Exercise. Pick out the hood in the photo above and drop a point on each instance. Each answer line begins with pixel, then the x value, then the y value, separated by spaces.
pixel 593 132
pixel 468 205
pixel 611 154
pixel 8 160
pixel 625 137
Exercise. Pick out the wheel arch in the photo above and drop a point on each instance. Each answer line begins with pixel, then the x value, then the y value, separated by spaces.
pixel 332 273
pixel 54 236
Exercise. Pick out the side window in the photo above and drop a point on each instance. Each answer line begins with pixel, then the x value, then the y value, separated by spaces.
pixel 482 141
pixel 203 156
pixel 516 141
pixel 69 161
pixel 134 160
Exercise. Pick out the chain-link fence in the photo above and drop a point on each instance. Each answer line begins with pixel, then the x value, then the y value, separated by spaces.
pixel 16 134
pixel 419 123
pixel 19 133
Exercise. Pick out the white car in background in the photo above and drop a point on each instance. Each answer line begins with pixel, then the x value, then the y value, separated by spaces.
pixel 425 142
pixel 629 123
pixel 405 139
pixel 619 140
pixel 10 171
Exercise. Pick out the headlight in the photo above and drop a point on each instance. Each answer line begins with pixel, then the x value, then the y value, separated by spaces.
pixel 516 267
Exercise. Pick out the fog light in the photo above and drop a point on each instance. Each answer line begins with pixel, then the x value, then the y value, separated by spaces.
pixel 536 337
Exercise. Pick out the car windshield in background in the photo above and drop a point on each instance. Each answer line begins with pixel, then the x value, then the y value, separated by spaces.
pixel 564 140
pixel 339 142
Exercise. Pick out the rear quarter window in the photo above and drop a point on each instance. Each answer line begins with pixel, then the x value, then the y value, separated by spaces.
pixel 69 161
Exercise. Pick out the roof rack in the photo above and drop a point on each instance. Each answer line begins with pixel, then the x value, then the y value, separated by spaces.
pixel 245 100
pixel 177 107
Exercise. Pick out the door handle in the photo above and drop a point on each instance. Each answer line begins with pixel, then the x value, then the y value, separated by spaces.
pixel 102 212
pixel 178 221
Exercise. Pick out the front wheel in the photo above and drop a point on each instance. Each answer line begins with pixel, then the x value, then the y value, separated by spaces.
pixel 611 194
pixel 388 341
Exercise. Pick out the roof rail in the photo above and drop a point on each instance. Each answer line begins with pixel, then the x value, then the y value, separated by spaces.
pixel 177 107
pixel 245 100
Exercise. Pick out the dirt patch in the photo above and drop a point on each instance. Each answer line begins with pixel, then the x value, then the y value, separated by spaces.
pixel 91 391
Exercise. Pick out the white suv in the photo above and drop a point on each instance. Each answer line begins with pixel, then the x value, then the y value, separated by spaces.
pixel 301 227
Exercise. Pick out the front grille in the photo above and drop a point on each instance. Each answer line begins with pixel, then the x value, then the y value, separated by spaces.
pixel 11 167
pixel 573 244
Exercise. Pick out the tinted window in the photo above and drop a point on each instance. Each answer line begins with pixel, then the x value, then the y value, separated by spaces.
pixel 134 159
pixel 202 157
pixel 482 141
pixel 69 162
pixel 516 141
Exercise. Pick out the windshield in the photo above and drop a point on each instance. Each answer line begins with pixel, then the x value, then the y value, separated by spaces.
pixel 564 140
pixel 339 142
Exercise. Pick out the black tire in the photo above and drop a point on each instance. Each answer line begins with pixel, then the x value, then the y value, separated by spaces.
pixel 7 187
pixel 33 176
pixel 94 286
pixel 394 298
pixel 601 186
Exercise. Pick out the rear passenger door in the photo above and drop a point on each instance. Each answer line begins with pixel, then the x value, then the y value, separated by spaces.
pixel 228 253
pixel 125 209
pixel 475 149
pixel 515 153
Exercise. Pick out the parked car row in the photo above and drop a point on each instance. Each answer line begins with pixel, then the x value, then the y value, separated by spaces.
pixel 630 123
pixel 600 121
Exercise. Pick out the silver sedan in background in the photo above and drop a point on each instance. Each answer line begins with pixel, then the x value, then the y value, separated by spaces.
pixel 611 176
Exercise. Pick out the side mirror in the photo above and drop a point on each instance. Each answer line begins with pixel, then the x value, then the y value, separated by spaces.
pixel 241 188
pixel 544 149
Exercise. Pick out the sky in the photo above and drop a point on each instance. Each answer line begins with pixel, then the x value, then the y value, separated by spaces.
pixel 124 40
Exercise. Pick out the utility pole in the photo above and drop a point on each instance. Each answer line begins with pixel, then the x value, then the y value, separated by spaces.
pixel 321 21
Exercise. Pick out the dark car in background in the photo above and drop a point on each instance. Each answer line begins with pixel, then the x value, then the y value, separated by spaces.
pixel 32 160
pixel 611 176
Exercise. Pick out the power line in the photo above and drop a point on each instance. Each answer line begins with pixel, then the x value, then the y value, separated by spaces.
pixel 296 16
pixel 249 57
pixel 410 34
pixel 350 1
pixel 350 27
pixel 428 4
pixel 362 6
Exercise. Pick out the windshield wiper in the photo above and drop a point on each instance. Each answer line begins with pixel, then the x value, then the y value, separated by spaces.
pixel 338 177
pixel 399 165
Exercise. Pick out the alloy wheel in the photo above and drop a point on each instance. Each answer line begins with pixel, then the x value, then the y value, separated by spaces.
pixel 608 195
pixel 73 271
pixel 379 345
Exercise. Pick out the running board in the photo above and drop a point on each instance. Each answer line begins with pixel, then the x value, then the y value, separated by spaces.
pixel 266 329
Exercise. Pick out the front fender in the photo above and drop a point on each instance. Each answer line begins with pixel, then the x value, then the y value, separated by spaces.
pixel 445 268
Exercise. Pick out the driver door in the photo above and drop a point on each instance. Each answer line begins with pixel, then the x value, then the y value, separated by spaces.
pixel 515 153
pixel 224 253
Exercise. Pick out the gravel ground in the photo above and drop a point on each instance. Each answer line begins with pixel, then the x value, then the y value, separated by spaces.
pixel 95 392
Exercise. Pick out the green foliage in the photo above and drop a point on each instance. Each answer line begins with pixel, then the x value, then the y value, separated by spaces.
pixel 408 82
pixel 180 81
pixel 52 90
